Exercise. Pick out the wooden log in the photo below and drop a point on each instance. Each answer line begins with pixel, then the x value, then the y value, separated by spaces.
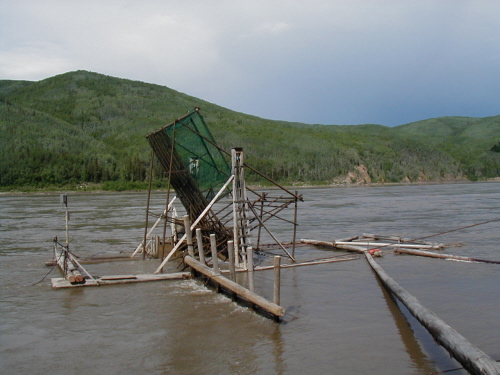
pixel 443 256
pixel 277 279
pixel 388 244
pixel 349 239
pixel 199 242
pixel 334 245
pixel 215 260
pixel 250 269
pixel 470 357
pixel 308 263
pixel 189 235
pixel 230 251
pixel 240 291
pixel 402 239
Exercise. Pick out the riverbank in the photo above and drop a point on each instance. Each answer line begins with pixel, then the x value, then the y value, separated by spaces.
pixel 98 188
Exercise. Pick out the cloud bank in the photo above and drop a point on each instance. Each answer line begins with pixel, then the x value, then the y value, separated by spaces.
pixel 329 62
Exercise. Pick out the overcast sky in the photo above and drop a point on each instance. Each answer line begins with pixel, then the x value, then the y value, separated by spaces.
pixel 388 62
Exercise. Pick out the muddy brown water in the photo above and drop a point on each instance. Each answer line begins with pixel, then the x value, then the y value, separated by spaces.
pixel 339 318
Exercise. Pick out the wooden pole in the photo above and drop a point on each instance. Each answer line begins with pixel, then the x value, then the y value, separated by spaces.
pixel 199 241
pixel 277 279
pixel 262 197
pixel 215 260
pixel 257 300
pixel 334 245
pixel 294 239
pixel 189 235
pixel 443 256
pixel 250 268
pixel 64 201
pixel 147 206
pixel 387 244
pixel 471 358
pixel 272 235
pixel 230 251
pixel 401 239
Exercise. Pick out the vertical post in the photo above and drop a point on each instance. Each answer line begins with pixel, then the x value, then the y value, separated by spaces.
pixel 294 225
pixel 215 261
pixel 199 241
pixel 189 235
pixel 236 237
pixel 240 206
pixel 64 200
pixel 230 251
pixel 250 268
pixel 161 247
pixel 277 279
pixel 147 206
pixel 261 215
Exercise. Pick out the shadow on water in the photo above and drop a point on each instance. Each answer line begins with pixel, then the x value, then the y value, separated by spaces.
pixel 419 344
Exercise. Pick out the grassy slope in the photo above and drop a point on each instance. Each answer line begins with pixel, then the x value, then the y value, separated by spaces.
pixel 100 122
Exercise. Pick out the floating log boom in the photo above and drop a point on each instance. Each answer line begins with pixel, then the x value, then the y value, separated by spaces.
pixel 471 358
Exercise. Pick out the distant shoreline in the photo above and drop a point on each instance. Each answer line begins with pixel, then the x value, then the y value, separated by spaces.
pixel 255 187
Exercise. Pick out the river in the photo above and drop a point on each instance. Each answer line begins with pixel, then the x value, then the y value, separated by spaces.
pixel 339 319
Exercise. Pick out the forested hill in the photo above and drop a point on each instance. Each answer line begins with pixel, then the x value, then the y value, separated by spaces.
pixel 83 127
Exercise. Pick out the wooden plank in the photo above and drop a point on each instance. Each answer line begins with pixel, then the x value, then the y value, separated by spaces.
pixel 240 291
pixel 443 256
pixel 470 357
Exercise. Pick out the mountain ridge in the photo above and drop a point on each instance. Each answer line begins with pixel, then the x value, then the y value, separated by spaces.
pixel 106 119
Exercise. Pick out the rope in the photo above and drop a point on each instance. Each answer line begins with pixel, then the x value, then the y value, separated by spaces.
pixel 457 229
pixel 51 269
pixel 48 273
pixel 437 234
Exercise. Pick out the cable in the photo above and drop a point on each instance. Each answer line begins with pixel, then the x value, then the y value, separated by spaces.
pixel 456 229
pixel 43 278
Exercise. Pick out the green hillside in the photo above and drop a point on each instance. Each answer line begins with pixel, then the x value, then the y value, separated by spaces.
pixel 82 127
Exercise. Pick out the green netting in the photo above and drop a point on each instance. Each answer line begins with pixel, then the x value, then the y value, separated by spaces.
pixel 196 146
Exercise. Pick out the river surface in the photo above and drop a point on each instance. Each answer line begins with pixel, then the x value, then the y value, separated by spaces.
pixel 339 318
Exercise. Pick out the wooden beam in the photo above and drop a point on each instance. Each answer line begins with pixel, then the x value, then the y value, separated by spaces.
pixel 388 244
pixel 402 239
pixel 443 256
pixel 334 245
pixel 240 291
